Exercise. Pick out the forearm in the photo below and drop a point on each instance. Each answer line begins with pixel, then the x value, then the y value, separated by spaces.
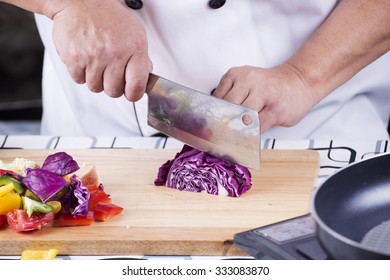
pixel 356 33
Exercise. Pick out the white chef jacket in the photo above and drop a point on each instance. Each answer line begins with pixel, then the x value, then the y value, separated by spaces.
pixel 194 45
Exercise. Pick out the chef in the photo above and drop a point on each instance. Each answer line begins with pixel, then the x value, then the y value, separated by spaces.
pixel 312 69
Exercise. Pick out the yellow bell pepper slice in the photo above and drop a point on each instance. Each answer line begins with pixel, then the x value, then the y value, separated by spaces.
pixel 56 205
pixel 39 254
pixel 9 202
pixel 6 189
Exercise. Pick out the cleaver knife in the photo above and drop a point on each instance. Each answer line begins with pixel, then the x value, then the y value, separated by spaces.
pixel 207 123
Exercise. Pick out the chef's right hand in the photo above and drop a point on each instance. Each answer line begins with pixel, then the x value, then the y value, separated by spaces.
pixel 103 44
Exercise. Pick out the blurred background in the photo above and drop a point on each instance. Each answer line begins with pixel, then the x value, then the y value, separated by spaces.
pixel 21 55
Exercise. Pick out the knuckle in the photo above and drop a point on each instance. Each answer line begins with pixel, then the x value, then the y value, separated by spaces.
pixel 134 90
pixel 138 47
pixel 114 53
pixel 75 56
pixel 113 92
pixel 135 86
pixel 94 87
pixel 77 74
pixel 231 72
pixel 117 52
pixel 78 79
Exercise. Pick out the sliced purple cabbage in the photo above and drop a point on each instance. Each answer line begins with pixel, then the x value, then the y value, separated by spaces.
pixel 60 163
pixel 43 183
pixel 48 183
pixel 196 171
pixel 75 201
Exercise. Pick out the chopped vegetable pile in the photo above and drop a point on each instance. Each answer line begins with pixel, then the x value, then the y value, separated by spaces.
pixel 32 196
pixel 196 171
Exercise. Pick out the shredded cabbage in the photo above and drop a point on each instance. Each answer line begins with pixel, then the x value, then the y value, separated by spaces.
pixel 196 171
pixel 75 201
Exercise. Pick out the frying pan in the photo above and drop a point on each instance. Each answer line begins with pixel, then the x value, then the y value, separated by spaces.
pixel 351 210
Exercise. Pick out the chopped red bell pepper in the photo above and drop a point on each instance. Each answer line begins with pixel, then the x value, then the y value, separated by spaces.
pixel 3 220
pixel 104 211
pixel 68 220
pixel 9 173
pixel 97 196
pixel 5 172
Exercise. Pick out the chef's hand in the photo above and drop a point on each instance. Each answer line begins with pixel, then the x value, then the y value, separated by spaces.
pixel 279 94
pixel 103 44
pixel 342 45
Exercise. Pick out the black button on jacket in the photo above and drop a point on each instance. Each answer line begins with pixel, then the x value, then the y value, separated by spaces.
pixel 134 4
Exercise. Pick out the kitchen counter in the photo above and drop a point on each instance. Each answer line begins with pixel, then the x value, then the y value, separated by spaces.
pixel 334 155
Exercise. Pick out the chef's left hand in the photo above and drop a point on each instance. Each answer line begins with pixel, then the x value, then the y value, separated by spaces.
pixel 341 46
pixel 279 94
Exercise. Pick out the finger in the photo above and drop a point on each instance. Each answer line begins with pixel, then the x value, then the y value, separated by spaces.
pixel 237 94
pixel 224 86
pixel 77 74
pixel 94 77
pixel 136 76
pixel 114 79
pixel 257 102
pixel 73 59
pixel 267 120
pixel 254 102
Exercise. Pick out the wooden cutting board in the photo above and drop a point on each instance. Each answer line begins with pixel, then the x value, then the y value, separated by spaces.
pixel 164 221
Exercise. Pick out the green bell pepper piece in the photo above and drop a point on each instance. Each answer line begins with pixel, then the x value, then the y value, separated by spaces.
pixel 5 179
pixel 31 206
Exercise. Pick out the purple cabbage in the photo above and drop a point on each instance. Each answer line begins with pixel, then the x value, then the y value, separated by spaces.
pixel 75 201
pixel 60 163
pixel 196 171
pixel 48 183
pixel 43 183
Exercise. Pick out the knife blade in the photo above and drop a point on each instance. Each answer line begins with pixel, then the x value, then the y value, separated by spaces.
pixel 207 123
